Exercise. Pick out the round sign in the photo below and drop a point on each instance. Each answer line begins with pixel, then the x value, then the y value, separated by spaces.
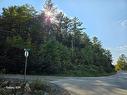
pixel 26 53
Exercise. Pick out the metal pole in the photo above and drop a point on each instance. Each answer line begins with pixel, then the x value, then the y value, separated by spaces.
pixel 25 70
pixel 72 44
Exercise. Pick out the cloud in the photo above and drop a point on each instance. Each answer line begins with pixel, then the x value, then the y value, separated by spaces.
pixel 122 48
pixel 119 48
pixel 124 23
pixel 117 51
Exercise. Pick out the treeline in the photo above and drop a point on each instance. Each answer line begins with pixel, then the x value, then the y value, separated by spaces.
pixel 57 43
pixel 121 64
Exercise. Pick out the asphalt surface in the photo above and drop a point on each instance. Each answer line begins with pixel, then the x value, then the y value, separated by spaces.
pixel 109 85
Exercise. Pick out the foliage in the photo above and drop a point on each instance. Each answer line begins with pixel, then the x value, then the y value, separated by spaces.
pixel 37 85
pixel 58 48
pixel 121 63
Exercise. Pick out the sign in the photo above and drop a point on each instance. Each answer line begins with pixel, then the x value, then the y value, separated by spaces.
pixel 26 53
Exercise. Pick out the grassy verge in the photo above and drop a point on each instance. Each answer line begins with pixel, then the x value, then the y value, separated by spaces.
pixel 78 73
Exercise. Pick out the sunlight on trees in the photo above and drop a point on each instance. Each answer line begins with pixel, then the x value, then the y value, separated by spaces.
pixel 121 63
pixel 21 27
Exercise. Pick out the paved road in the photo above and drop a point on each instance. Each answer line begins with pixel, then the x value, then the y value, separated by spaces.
pixel 111 85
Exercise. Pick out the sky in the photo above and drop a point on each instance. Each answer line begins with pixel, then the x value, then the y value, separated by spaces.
pixel 105 19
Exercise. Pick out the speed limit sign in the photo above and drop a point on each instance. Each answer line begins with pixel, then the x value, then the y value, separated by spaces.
pixel 26 53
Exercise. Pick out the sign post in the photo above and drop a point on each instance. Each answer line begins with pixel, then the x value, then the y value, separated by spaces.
pixel 26 55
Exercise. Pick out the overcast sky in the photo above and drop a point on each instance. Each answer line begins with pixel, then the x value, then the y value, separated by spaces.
pixel 106 19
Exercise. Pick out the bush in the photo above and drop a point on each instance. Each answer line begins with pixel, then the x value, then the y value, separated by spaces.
pixel 3 71
pixel 37 85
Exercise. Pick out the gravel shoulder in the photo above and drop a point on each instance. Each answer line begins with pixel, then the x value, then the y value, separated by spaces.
pixel 109 85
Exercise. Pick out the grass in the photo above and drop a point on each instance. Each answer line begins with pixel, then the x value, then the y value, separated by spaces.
pixel 35 88
pixel 79 73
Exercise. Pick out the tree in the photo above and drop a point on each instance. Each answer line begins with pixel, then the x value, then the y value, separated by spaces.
pixel 55 56
pixel 121 63
pixel 15 28
pixel 15 19
pixel 59 44
pixel 96 42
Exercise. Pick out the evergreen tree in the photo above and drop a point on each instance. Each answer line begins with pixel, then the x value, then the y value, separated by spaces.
pixel 58 43
pixel 121 63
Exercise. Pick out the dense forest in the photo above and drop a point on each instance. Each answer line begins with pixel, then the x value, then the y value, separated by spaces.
pixel 58 44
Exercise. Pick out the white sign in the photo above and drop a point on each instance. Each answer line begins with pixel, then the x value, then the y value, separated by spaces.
pixel 26 53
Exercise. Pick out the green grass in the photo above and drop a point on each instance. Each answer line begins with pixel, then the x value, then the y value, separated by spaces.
pixel 78 73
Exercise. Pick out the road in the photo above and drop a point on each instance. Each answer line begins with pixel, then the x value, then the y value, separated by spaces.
pixel 109 85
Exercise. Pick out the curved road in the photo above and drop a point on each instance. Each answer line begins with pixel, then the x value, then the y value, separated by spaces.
pixel 110 85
